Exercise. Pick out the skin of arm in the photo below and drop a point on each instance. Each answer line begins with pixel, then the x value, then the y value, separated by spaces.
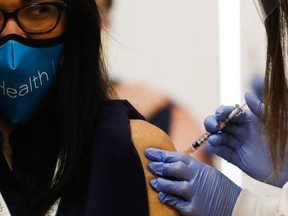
pixel 144 135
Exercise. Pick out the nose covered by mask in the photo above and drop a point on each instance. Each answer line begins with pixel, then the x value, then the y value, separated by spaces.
pixel 27 71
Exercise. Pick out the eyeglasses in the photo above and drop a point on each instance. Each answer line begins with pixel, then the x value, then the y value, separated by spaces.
pixel 36 18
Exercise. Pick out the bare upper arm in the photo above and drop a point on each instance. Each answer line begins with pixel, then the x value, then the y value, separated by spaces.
pixel 146 135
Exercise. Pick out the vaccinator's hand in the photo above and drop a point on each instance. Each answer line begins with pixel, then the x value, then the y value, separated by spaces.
pixel 243 143
pixel 190 186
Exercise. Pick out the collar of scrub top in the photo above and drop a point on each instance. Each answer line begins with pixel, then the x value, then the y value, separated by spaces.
pixel 266 7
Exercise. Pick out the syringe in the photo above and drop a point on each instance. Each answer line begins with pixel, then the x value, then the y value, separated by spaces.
pixel 194 146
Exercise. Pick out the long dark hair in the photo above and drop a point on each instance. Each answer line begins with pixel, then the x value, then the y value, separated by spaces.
pixel 275 89
pixel 83 86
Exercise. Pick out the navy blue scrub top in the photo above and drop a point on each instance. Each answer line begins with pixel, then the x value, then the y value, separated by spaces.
pixel 115 184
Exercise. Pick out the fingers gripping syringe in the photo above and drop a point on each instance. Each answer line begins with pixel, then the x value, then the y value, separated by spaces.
pixel 194 146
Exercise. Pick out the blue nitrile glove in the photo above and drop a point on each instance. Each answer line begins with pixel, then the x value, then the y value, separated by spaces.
pixel 257 86
pixel 196 188
pixel 242 142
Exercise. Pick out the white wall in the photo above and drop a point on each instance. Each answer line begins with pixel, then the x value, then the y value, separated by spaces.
pixel 253 47
pixel 173 45
pixel 170 45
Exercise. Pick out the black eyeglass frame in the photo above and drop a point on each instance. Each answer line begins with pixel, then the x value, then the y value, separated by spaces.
pixel 14 14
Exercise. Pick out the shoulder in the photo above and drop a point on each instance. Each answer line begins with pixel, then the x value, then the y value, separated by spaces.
pixel 146 135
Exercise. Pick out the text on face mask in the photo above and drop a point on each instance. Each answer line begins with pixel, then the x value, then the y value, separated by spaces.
pixel 33 83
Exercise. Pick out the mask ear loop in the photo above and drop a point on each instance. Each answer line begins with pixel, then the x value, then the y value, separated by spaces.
pixel 266 7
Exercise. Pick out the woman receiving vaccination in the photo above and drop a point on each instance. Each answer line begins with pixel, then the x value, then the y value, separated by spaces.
pixel 62 133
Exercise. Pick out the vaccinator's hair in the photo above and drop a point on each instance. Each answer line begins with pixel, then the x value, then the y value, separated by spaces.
pixel 275 88
pixel 81 88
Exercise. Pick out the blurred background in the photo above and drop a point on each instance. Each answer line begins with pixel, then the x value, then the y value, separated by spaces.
pixel 202 53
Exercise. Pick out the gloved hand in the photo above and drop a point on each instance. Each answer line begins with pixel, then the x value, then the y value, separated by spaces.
pixel 196 188
pixel 242 142
pixel 257 86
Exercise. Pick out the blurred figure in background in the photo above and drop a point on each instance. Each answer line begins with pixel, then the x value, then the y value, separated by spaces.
pixel 157 107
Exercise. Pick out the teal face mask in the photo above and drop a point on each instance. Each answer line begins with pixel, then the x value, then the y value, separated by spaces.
pixel 27 71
